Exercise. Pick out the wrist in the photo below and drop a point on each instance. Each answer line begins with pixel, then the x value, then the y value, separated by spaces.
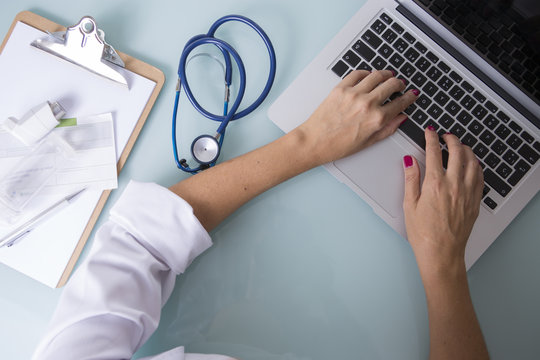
pixel 437 254
pixel 442 269
pixel 303 148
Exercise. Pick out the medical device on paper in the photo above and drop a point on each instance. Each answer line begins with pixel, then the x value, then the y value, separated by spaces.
pixel 29 175
pixel 205 149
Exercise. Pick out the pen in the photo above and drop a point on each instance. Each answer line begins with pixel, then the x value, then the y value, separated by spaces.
pixel 31 224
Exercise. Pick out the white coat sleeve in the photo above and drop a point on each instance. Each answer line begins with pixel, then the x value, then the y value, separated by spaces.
pixel 112 303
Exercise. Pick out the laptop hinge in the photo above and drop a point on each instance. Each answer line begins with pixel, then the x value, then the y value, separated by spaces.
pixel 469 65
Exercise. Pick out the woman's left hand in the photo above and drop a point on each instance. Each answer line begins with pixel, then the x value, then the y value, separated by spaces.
pixel 354 115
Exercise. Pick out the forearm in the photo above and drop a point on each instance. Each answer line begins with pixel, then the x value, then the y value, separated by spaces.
pixel 453 326
pixel 217 192
pixel 350 119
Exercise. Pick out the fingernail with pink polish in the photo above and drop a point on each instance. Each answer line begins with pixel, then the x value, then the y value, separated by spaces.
pixel 430 127
pixel 407 161
pixel 407 118
pixel 404 81
pixel 393 72
pixel 415 92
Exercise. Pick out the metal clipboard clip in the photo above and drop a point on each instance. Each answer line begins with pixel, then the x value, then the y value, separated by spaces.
pixel 84 44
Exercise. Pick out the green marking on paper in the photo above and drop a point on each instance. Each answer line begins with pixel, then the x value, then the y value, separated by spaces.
pixel 67 122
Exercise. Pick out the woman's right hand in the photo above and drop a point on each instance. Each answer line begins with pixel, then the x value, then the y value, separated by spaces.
pixel 440 213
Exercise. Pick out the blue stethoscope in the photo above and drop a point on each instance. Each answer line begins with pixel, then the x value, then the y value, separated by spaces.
pixel 205 149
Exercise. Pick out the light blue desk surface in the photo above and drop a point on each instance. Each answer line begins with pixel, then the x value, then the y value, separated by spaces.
pixel 305 271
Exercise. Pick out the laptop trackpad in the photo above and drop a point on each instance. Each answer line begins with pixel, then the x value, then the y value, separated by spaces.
pixel 378 172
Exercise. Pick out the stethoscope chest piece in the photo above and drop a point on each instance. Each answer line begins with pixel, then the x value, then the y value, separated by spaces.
pixel 205 149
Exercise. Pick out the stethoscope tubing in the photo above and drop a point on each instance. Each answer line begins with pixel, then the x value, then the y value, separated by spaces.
pixel 229 111
pixel 224 119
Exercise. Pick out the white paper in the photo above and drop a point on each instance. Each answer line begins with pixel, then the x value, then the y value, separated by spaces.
pixel 30 76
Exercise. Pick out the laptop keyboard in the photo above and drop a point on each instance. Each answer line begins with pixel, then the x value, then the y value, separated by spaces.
pixel 495 40
pixel 448 102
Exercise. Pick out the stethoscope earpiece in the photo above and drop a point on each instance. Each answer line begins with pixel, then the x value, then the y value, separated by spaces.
pixel 205 149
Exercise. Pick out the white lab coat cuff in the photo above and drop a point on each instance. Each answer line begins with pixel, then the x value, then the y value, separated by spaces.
pixel 163 222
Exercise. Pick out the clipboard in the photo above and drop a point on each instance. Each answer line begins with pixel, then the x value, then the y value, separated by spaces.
pixel 133 65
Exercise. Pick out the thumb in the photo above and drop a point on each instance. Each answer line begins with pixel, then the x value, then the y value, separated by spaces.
pixel 391 127
pixel 412 180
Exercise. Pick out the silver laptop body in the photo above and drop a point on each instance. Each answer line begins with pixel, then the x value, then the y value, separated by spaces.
pixel 376 173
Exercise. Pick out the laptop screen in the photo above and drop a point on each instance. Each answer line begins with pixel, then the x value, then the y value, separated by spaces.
pixel 506 33
pixel 528 14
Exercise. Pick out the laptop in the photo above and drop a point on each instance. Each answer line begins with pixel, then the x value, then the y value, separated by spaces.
pixel 477 66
